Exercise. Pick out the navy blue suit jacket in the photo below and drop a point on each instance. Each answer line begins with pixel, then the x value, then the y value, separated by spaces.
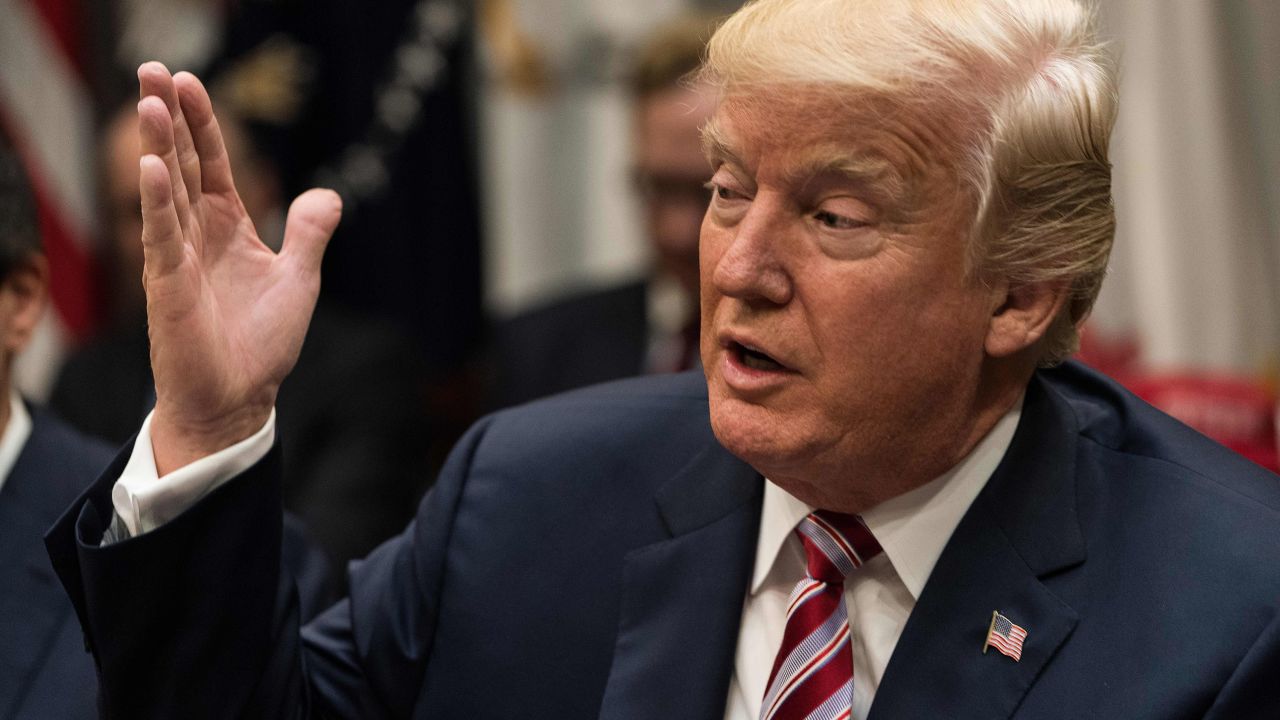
pixel 45 671
pixel 588 556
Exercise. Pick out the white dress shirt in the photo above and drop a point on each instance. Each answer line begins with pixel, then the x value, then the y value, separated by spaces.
pixel 144 501
pixel 911 528
pixel 16 432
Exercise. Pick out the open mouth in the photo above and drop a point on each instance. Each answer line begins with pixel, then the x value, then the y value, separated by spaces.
pixel 754 359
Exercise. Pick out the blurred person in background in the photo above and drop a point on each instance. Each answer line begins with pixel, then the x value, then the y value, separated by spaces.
pixel 651 324
pixel 44 464
pixel 351 416
pixel 45 670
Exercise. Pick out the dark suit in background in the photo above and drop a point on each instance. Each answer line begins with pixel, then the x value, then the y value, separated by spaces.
pixel 587 556
pixel 584 339
pixel 351 421
pixel 45 671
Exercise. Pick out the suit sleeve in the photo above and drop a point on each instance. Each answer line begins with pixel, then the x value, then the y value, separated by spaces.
pixel 197 619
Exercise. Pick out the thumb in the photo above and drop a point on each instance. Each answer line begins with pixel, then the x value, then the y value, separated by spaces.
pixel 312 218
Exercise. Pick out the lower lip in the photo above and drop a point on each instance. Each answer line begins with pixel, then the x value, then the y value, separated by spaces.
pixel 745 379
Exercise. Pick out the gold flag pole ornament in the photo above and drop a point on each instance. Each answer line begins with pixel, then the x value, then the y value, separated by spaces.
pixel 990 629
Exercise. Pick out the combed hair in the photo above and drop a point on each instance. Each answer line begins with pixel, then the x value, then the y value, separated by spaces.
pixel 1031 74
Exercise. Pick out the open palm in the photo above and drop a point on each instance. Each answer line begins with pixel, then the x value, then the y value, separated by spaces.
pixel 226 315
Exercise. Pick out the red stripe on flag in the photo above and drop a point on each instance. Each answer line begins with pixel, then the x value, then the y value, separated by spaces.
pixel 72 281
pixel 1012 648
pixel 72 285
pixel 62 17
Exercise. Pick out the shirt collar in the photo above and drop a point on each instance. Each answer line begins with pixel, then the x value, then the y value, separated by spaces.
pixel 913 527
pixel 16 432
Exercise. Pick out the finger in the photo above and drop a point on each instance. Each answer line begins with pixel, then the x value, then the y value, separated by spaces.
pixel 155 135
pixel 188 158
pixel 154 81
pixel 215 167
pixel 312 218
pixel 162 241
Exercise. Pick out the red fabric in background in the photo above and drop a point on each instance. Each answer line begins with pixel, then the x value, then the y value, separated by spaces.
pixel 1238 411
pixel 62 17
pixel 72 282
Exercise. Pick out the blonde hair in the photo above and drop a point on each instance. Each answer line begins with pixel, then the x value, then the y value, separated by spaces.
pixel 1031 74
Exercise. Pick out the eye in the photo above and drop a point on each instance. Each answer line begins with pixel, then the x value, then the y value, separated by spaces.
pixel 729 202
pixel 837 222
pixel 722 192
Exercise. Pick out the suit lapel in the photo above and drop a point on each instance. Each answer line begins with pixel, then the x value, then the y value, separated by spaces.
pixel 682 597
pixel 1021 528
pixel 29 502
pixel 938 668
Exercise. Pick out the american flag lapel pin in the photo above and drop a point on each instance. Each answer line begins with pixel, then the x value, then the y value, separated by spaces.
pixel 1004 635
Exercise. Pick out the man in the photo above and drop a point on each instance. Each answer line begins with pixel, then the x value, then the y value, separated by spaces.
pixel 648 325
pixel 911 211
pixel 44 464
pixel 352 411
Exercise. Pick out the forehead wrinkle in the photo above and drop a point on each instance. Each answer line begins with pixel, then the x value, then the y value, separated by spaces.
pixel 866 170
pixel 886 179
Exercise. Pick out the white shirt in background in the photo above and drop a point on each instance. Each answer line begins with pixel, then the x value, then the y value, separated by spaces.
pixel 16 432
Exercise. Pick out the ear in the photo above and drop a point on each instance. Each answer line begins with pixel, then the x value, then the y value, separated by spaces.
pixel 1022 315
pixel 26 290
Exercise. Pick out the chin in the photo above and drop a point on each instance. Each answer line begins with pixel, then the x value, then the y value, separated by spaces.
pixel 755 436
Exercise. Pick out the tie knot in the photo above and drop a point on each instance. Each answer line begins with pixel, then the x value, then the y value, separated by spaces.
pixel 835 544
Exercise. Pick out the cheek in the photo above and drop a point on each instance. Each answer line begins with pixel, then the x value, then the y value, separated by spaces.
pixel 878 330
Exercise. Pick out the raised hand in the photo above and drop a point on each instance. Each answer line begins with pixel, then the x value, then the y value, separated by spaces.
pixel 226 315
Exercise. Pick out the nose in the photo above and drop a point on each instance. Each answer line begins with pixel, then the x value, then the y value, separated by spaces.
pixel 751 268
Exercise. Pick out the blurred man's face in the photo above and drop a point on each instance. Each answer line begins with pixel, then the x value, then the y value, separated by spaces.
pixel 672 172
pixel 23 295
pixel 841 338
pixel 123 206
pixel 255 181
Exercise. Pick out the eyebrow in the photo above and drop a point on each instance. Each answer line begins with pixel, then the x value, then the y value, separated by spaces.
pixel 863 169
pixel 715 146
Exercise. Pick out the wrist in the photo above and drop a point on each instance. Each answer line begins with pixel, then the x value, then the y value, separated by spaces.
pixel 178 441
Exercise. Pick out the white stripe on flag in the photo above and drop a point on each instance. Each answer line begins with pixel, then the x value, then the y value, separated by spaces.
pixel 42 94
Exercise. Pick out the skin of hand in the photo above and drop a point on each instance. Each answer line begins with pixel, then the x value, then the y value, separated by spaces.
pixel 226 315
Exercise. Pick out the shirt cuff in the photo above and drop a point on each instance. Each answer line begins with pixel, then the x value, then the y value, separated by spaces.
pixel 144 501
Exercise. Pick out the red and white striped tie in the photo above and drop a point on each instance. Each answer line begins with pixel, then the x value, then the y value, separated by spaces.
pixel 813 674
